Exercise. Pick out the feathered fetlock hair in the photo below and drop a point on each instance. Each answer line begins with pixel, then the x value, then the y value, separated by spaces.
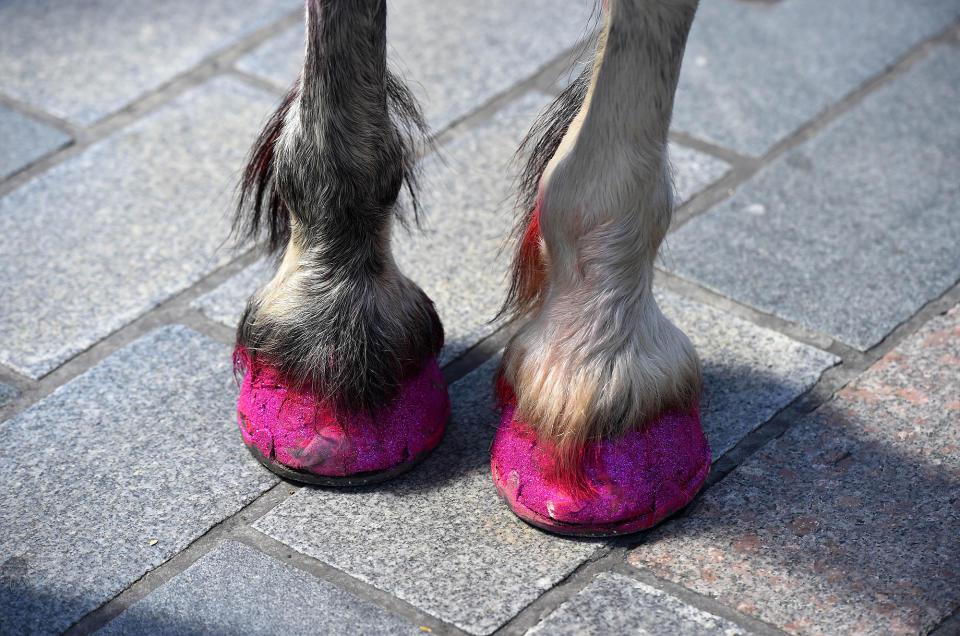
pixel 321 188
pixel 594 357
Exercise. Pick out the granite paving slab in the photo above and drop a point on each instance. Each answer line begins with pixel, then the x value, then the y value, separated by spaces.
pixel 23 140
pixel 115 472
pixel 616 604
pixel 467 199
pixel 849 523
pixel 7 394
pixel 753 74
pixel 86 60
pixel 99 239
pixel 749 373
pixel 237 590
pixel 854 230
pixel 225 304
pixel 693 171
pixel 456 54
pixel 439 537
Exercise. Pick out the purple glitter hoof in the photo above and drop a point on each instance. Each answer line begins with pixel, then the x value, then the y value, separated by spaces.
pixel 631 484
pixel 302 439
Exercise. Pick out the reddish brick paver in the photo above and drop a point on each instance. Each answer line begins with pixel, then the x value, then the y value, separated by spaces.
pixel 850 522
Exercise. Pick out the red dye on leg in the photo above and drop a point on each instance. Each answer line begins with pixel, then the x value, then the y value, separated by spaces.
pixel 529 268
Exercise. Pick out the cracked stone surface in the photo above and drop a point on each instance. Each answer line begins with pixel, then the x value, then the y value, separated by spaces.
pixel 86 60
pixel 455 54
pixel 236 589
pixel 139 216
pixel 848 523
pixel 857 228
pixel 115 472
pixel 25 140
pixel 753 74
pixel 616 604
pixel 438 537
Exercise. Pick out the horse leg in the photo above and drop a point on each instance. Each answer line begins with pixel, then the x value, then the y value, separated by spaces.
pixel 596 374
pixel 338 350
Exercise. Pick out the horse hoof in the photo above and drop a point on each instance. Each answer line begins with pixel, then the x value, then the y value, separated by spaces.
pixel 299 437
pixel 625 485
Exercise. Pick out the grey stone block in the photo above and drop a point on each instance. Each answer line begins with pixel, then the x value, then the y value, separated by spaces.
pixel 456 54
pixel 854 230
pixel 7 394
pixel 86 60
pixel 617 604
pixel 749 373
pixel 25 140
pixel 238 590
pixel 103 237
pixel 467 199
pixel 115 472
pixel 439 537
pixel 279 59
pixel 226 303
pixel 848 523
pixel 693 171
pixel 752 75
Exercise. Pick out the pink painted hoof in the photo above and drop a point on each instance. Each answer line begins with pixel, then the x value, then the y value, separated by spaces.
pixel 298 438
pixel 633 483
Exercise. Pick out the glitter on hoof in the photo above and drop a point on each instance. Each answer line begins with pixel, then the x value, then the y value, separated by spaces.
pixel 629 484
pixel 302 439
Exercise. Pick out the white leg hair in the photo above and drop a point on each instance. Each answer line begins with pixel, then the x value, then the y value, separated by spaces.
pixel 597 358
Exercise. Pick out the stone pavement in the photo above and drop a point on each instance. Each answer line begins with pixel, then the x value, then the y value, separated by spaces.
pixel 814 263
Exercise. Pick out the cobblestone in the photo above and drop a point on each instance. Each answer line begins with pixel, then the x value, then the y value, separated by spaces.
pixel 849 523
pixel 754 74
pixel 25 140
pixel 124 127
pixel 616 604
pixel 84 61
pixel 115 472
pixel 139 216
pixel 237 589
pixel 854 230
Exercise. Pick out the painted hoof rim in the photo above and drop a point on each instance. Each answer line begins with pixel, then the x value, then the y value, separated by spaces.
pixel 631 483
pixel 344 481
pixel 299 437
pixel 621 528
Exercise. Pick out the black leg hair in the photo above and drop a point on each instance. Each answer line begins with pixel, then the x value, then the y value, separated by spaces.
pixel 322 185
